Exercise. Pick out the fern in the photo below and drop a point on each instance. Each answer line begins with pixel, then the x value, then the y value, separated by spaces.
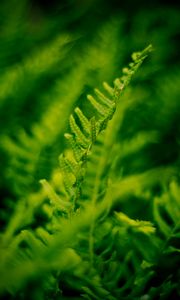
pixel 81 142
pixel 81 146
pixel 105 225
pixel 80 219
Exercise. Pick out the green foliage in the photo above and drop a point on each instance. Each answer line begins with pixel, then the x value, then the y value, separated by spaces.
pixel 105 223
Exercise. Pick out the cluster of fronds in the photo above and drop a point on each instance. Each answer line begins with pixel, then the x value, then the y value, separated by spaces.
pixel 105 224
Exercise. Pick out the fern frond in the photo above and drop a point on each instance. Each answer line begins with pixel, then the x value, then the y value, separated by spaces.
pixel 105 107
